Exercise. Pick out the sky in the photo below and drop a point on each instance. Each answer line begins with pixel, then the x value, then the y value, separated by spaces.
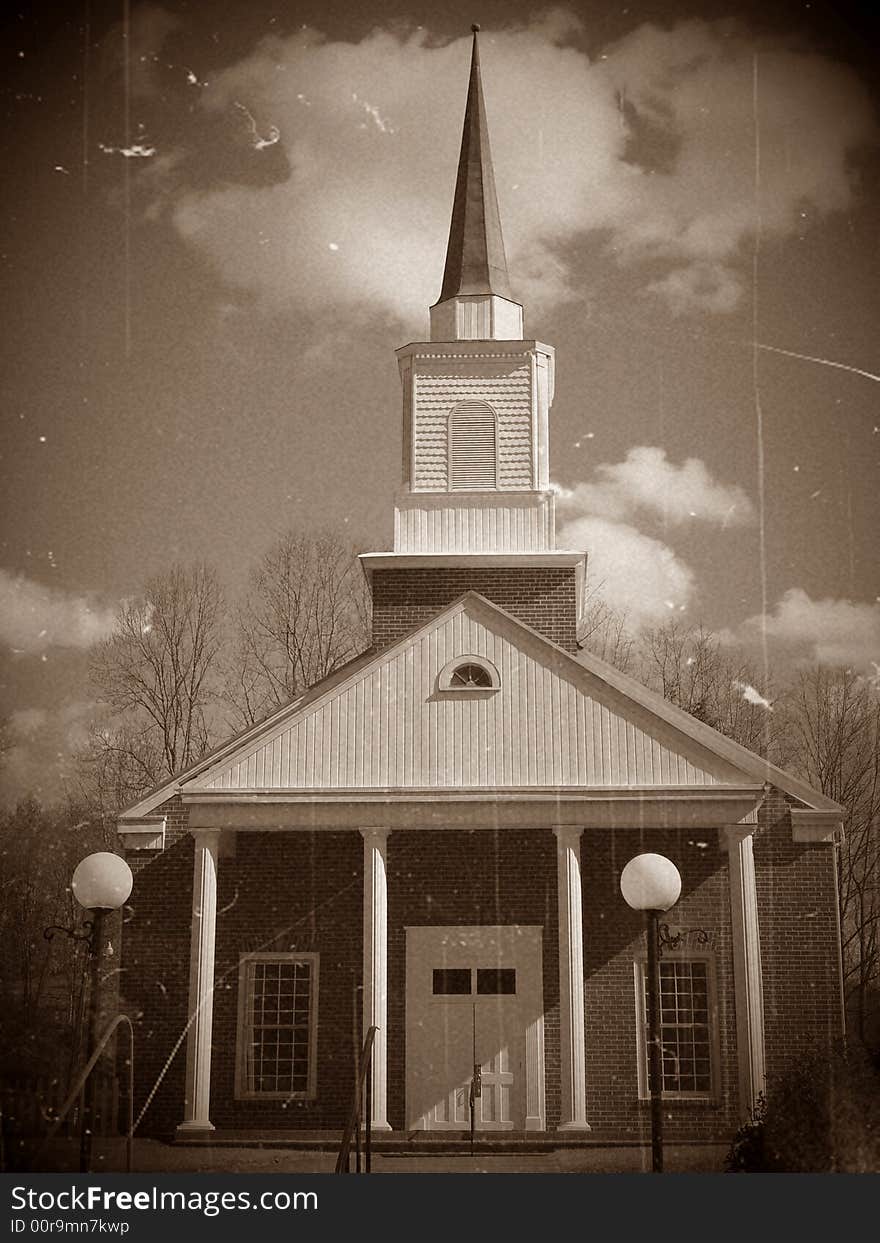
pixel 221 220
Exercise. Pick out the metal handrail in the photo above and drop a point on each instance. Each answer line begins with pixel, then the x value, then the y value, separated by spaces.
pixel 362 1105
pixel 73 1094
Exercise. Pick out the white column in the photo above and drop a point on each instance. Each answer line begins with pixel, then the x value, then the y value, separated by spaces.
pixel 571 980
pixel 748 983
pixel 376 966
pixel 197 1102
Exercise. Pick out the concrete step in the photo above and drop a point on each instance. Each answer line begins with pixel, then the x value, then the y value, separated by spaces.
pixel 437 1143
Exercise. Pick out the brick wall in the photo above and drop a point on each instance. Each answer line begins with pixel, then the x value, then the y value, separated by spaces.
pixel 155 980
pixel 303 892
pixel 797 916
pixel 279 892
pixel 544 597
pixel 614 938
pixel 288 893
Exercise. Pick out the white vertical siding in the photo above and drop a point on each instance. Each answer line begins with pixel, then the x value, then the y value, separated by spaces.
pixel 478 523
pixel 391 727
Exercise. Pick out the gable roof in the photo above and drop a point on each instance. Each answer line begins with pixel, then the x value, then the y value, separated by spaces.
pixel 558 720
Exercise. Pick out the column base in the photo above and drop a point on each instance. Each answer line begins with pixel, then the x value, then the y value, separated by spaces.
pixel 574 1126
pixel 194 1128
pixel 378 1126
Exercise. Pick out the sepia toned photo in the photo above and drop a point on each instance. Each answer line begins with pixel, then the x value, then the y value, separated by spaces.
pixel 439 612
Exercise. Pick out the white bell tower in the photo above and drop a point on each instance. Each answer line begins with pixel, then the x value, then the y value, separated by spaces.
pixel 476 397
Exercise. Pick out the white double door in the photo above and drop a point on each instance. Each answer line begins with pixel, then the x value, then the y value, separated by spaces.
pixel 473 997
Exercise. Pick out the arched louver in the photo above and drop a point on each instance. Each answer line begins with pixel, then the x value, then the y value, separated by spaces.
pixel 469 677
pixel 472 446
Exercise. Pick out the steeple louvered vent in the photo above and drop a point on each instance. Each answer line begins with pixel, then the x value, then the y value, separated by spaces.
pixel 473 446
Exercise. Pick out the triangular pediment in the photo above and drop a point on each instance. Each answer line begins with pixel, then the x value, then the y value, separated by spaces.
pixel 388 724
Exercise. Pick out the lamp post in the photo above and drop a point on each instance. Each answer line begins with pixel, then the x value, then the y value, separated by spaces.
pixel 101 884
pixel 652 883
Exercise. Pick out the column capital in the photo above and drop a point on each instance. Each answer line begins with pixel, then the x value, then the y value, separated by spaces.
pixel 568 834
pixel 731 835
pixel 377 835
pixel 206 837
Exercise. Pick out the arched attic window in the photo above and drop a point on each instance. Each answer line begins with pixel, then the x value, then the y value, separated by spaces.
pixel 473 447
pixel 469 673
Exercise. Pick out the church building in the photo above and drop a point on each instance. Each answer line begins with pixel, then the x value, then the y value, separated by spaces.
pixel 430 840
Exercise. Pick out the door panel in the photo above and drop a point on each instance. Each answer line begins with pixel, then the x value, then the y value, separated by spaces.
pixel 496 1025
pixel 471 995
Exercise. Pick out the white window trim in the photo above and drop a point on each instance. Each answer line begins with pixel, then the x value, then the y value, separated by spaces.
pixel 444 677
pixel 640 966
pixel 242 1093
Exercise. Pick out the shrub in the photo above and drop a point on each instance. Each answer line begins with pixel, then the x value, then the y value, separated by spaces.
pixel 746 1152
pixel 822 1116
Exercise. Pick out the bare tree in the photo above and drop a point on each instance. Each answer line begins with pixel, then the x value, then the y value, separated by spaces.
pixel 717 684
pixel 834 718
pixel 121 760
pixel 156 674
pixel 603 631
pixel 305 615
pixel 40 981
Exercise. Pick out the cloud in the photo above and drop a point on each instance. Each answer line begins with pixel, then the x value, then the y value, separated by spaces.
pixel 135 48
pixel 700 287
pixel 651 145
pixel 640 576
pixel 647 482
pixel 753 696
pixel 34 617
pixel 632 571
pixel 829 631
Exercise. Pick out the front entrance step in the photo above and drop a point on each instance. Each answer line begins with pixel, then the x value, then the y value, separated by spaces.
pixel 390 1143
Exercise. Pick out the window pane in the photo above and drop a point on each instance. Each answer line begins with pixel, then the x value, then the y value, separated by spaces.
pixel 496 980
pixel 450 981
pixel 277 1015
pixel 685 1034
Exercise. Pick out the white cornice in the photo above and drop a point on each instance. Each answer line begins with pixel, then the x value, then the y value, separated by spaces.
pixel 473 349
pixel 496 794
pixel 467 560
pixel 412 497
pixel 147 833
pixel 815 827
pixel 695 808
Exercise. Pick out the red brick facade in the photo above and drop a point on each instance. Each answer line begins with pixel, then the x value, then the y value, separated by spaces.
pixel 544 597
pixel 304 892
pixel 797 904
pixel 614 938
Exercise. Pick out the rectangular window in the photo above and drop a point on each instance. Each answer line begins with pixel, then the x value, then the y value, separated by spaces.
pixel 687 1028
pixel 277 1026
pixel 496 980
pixel 452 981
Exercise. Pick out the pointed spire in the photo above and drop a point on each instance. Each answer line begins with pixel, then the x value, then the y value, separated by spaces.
pixel 475 259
